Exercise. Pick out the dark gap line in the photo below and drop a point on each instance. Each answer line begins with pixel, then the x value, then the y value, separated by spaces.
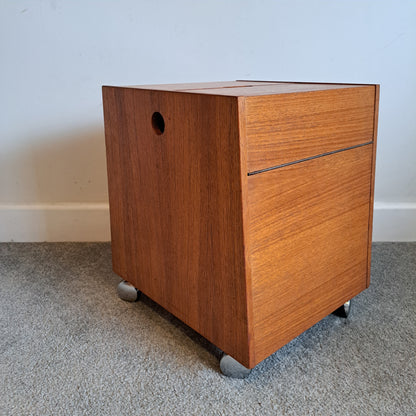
pixel 306 82
pixel 307 158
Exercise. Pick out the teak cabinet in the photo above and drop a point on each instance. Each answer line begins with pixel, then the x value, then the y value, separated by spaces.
pixel 243 208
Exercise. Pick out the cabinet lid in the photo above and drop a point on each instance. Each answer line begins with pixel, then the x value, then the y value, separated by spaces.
pixel 245 88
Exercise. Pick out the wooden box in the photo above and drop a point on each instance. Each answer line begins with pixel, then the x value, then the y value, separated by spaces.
pixel 243 208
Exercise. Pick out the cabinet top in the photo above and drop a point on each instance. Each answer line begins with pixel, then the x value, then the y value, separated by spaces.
pixel 245 88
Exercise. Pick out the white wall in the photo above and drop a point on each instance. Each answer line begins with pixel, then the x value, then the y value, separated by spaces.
pixel 56 54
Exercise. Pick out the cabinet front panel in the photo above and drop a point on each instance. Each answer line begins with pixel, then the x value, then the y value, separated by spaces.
pixel 289 127
pixel 308 226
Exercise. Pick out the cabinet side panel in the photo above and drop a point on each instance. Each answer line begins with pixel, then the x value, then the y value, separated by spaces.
pixel 309 241
pixel 373 176
pixel 114 130
pixel 181 204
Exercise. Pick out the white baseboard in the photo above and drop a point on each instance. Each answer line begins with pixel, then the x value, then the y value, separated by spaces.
pixel 55 222
pixel 91 222
pixel 394 221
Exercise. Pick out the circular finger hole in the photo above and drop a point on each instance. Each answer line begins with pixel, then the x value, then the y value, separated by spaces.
pixel 158 123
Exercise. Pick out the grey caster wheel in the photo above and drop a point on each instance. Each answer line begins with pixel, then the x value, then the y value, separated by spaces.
pixel 128 292
pixel 232 368
pixel 344 310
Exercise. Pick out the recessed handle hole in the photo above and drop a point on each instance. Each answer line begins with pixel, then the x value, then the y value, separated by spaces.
pixel 158 123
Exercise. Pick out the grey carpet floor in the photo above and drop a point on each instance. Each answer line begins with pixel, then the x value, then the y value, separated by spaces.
pixel 70 346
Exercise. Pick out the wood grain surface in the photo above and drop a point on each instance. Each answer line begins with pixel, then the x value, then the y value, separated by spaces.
pixel 254 90
pixel 249 262
pixel 176 208
pixel 288 127
pixel 191 86
pixel 373 177
pixel 308 243
pixel 244 88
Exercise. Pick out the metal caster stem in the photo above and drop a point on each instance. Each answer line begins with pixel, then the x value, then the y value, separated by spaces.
pixel 344 310
pixel 126 291
pixel 232 368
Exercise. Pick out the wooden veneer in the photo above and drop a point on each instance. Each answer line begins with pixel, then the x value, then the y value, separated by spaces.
pixel 249 217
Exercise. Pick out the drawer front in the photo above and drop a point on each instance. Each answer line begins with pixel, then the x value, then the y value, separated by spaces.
pixel 290 127
pixel 308 227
